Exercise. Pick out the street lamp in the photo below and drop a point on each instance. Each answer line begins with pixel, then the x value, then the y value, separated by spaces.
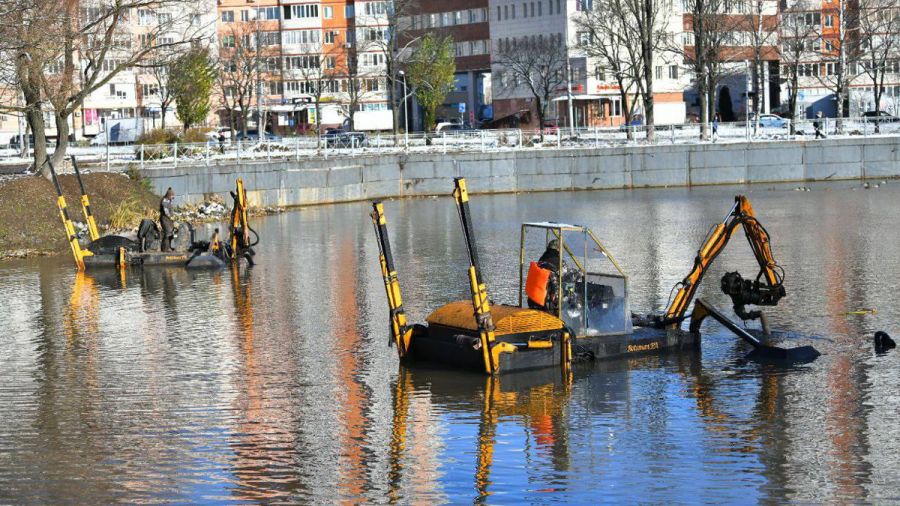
pixel 405 110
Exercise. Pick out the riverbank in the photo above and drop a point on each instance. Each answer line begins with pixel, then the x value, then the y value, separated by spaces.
pixel 29 219
pixel 288 183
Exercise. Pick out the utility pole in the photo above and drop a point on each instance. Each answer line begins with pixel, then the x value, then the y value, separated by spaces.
pixel 260 126
pixel 568 81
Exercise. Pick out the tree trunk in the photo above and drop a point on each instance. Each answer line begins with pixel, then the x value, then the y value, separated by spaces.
pixel 839 108
pixel 163 109
pixel 62 138
pixel 704 109
pixel 35 118
pixel 318 125
pixel 540 113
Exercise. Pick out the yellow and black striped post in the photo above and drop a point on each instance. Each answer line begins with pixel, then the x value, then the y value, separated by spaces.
pixel 401 332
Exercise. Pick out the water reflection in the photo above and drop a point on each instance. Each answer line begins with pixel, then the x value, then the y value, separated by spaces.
pixel 275 384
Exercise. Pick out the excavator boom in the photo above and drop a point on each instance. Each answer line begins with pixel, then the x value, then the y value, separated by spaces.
pixel 401 331
pixel 740 290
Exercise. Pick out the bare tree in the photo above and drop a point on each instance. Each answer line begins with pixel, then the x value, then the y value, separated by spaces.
pixel 706 52
pixel 242 66
pixel 392 38
pixel 879 31
pixel 538 64
pixel 762 34
pixel 798 48
pixel 72 48
pixel 840 54
pixel 319 71
pixel 649 20
pixel 610 41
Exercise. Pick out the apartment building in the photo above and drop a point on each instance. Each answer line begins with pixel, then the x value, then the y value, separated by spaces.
pixel 744 28
pixel 467 22
pixel 594 95
pixel 811 36
pixel 301 46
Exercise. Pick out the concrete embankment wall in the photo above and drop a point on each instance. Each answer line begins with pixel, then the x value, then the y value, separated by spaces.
pixel 343 179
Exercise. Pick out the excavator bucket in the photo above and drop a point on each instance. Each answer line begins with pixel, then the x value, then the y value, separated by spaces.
pixel 761 350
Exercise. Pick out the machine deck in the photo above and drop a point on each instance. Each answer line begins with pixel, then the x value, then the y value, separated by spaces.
pixel 157 258
pixel 451 338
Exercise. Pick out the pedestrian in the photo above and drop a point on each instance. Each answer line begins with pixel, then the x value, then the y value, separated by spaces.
pixel 166 221
pixel 715 127
pixel 222 142
pixel 817 126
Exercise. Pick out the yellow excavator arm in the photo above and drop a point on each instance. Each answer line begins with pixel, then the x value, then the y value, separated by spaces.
pixel 741 291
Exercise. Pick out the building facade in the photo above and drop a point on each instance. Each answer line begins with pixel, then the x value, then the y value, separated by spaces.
pixel 467 22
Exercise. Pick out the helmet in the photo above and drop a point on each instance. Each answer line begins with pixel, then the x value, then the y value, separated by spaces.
pixel 554 244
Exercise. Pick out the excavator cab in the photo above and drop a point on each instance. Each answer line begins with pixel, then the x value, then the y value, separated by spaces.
pixel 589 291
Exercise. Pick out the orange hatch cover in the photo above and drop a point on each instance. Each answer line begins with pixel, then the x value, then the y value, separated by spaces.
pixel 507 319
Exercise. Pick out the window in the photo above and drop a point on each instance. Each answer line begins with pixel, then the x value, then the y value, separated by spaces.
pixel 829 46
pixel 301 11
pixel 228 41
pixel 550 7
pixel 540 5
pixel 505 12
pixel 600 73
pixel 524 10
pixel 584 38
pixel 267 13
pixel 658 72
pixel 330 62
pixel 245 15
pixel 513 10
pixel 330 37
pixel 149 90
pixel 301 62
pixel 275 88
pixel 829 21
pixel 615 107
pixel 498 13
pixel 327 12
pixel 269 38
pixel 375 8
pixel 558 9
pixel 145 17
pixel 293 37
pixel 166 18
pixel 147 40
pixel 673 71
pixel 532 9
pixel 348 11
pixel 374 34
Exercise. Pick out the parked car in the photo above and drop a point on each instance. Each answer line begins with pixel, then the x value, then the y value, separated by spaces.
pixel 770 121
pixel 253 135
pixel 339 138
pixel 882 116
pixel 447 127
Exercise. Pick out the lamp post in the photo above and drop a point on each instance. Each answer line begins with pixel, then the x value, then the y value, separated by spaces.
pixel 405 110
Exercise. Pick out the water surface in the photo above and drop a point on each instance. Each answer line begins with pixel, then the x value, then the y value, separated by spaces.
pixel 276 383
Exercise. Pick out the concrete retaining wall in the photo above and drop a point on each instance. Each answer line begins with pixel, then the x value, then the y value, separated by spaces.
pixel 289 183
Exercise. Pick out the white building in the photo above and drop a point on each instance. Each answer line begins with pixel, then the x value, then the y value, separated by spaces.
pixel 595 95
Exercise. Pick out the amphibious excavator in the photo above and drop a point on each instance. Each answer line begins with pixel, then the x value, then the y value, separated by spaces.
pixel 121 251
pixel 581 311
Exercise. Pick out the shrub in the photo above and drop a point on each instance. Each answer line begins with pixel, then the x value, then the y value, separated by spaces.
pixel 128 214
pixel 157 136
pixel 195 135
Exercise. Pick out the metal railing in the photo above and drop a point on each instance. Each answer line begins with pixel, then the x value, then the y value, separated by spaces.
pixel 118 158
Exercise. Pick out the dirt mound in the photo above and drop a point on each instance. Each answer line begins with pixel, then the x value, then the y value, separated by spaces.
pixel 29 219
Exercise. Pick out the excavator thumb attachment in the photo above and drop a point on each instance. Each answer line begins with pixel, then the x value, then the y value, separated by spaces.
pixel 86 205
pixel 761 351
pixel 71 236
pixel 240 243
pixel 401 331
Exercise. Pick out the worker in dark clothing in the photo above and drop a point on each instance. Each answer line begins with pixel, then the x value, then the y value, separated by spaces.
pixel 166 221
pixel 551 256
pixel 817 126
